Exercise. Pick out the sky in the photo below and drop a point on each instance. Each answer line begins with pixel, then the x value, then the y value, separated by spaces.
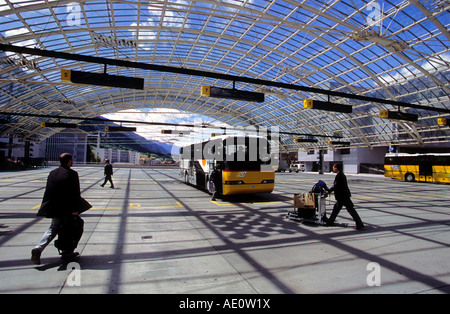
pixel 161 115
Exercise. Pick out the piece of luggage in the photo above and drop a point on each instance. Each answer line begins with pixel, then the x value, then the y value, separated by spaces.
pixel 319 187
pixel 69 234
pixel 304 205
pixel 304 200
pixel 306 212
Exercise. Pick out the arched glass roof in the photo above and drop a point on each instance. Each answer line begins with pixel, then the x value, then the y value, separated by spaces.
pixel 397 50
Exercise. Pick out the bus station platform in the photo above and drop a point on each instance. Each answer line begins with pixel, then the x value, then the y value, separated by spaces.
pixel 153 234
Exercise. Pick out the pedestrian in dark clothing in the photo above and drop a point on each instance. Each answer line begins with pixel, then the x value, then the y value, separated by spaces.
pixel 216 178
pixel 342 195
pixel 62 199
pixel 108 172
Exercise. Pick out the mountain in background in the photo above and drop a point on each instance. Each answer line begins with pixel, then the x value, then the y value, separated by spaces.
pixel 125 140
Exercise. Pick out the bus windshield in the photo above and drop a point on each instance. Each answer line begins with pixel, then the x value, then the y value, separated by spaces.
pixel 234 149
pixel 241 166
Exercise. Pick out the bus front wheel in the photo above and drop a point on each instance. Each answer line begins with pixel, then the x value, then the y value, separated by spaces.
pixel 409 177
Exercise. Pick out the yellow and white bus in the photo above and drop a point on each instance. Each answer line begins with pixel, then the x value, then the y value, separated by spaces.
pixel 246 162
pixel 418 167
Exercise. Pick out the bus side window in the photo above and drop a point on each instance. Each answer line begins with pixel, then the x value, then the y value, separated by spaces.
pixel 425 167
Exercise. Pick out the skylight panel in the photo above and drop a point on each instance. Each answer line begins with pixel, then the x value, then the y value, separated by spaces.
pixel 39 20
pixel 238 27
pixel 217 23
pixel 285 41
pixel 207 39
pixel 281 8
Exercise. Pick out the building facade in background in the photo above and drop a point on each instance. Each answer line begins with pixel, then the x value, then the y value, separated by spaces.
pixel 118 156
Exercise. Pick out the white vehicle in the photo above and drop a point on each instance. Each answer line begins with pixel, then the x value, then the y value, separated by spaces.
pixel 297 167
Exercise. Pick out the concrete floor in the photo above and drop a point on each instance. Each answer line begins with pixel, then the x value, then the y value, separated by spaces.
pixel 154 234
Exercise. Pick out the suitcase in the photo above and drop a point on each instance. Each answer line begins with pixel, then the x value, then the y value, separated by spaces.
pixel 304 200
pixel 306 212
pixel 69 234
pixel 304 203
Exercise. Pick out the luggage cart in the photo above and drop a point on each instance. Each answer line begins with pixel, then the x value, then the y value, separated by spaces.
pixel 308 207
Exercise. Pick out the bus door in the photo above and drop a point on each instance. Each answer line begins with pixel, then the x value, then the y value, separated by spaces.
pixel 425 169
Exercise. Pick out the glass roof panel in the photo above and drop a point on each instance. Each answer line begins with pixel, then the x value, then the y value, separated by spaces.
pixel 396 50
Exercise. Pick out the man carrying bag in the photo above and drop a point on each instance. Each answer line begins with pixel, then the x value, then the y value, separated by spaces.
pixel 62 202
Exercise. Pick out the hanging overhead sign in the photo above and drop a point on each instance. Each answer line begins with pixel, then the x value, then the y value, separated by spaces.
pixel 102 79
pixel 443 121
pixel 119 129
pixel 327 106
pixel 59 125
pixel 398 115
pixel 218 92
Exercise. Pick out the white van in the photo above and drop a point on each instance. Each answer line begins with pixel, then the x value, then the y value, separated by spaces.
pixel 297 167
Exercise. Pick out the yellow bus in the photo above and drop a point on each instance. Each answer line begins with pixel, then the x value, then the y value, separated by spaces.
pixel 246 163
pixel 418 167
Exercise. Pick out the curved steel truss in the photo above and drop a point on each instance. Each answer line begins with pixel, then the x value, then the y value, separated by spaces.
pixel 397 50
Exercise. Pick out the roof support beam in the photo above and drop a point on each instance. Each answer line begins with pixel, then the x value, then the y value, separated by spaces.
pixel 215 75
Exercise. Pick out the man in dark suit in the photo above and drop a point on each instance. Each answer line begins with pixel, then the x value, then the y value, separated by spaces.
pixel 108 172
pixel 62 198
pixel 342 195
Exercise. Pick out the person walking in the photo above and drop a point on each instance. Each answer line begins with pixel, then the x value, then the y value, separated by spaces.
pixel 62 199
pixel 108 172
pixel 342 195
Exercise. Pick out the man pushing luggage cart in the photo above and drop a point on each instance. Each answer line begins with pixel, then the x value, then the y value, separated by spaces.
pixel 342 195
pixel 311 206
